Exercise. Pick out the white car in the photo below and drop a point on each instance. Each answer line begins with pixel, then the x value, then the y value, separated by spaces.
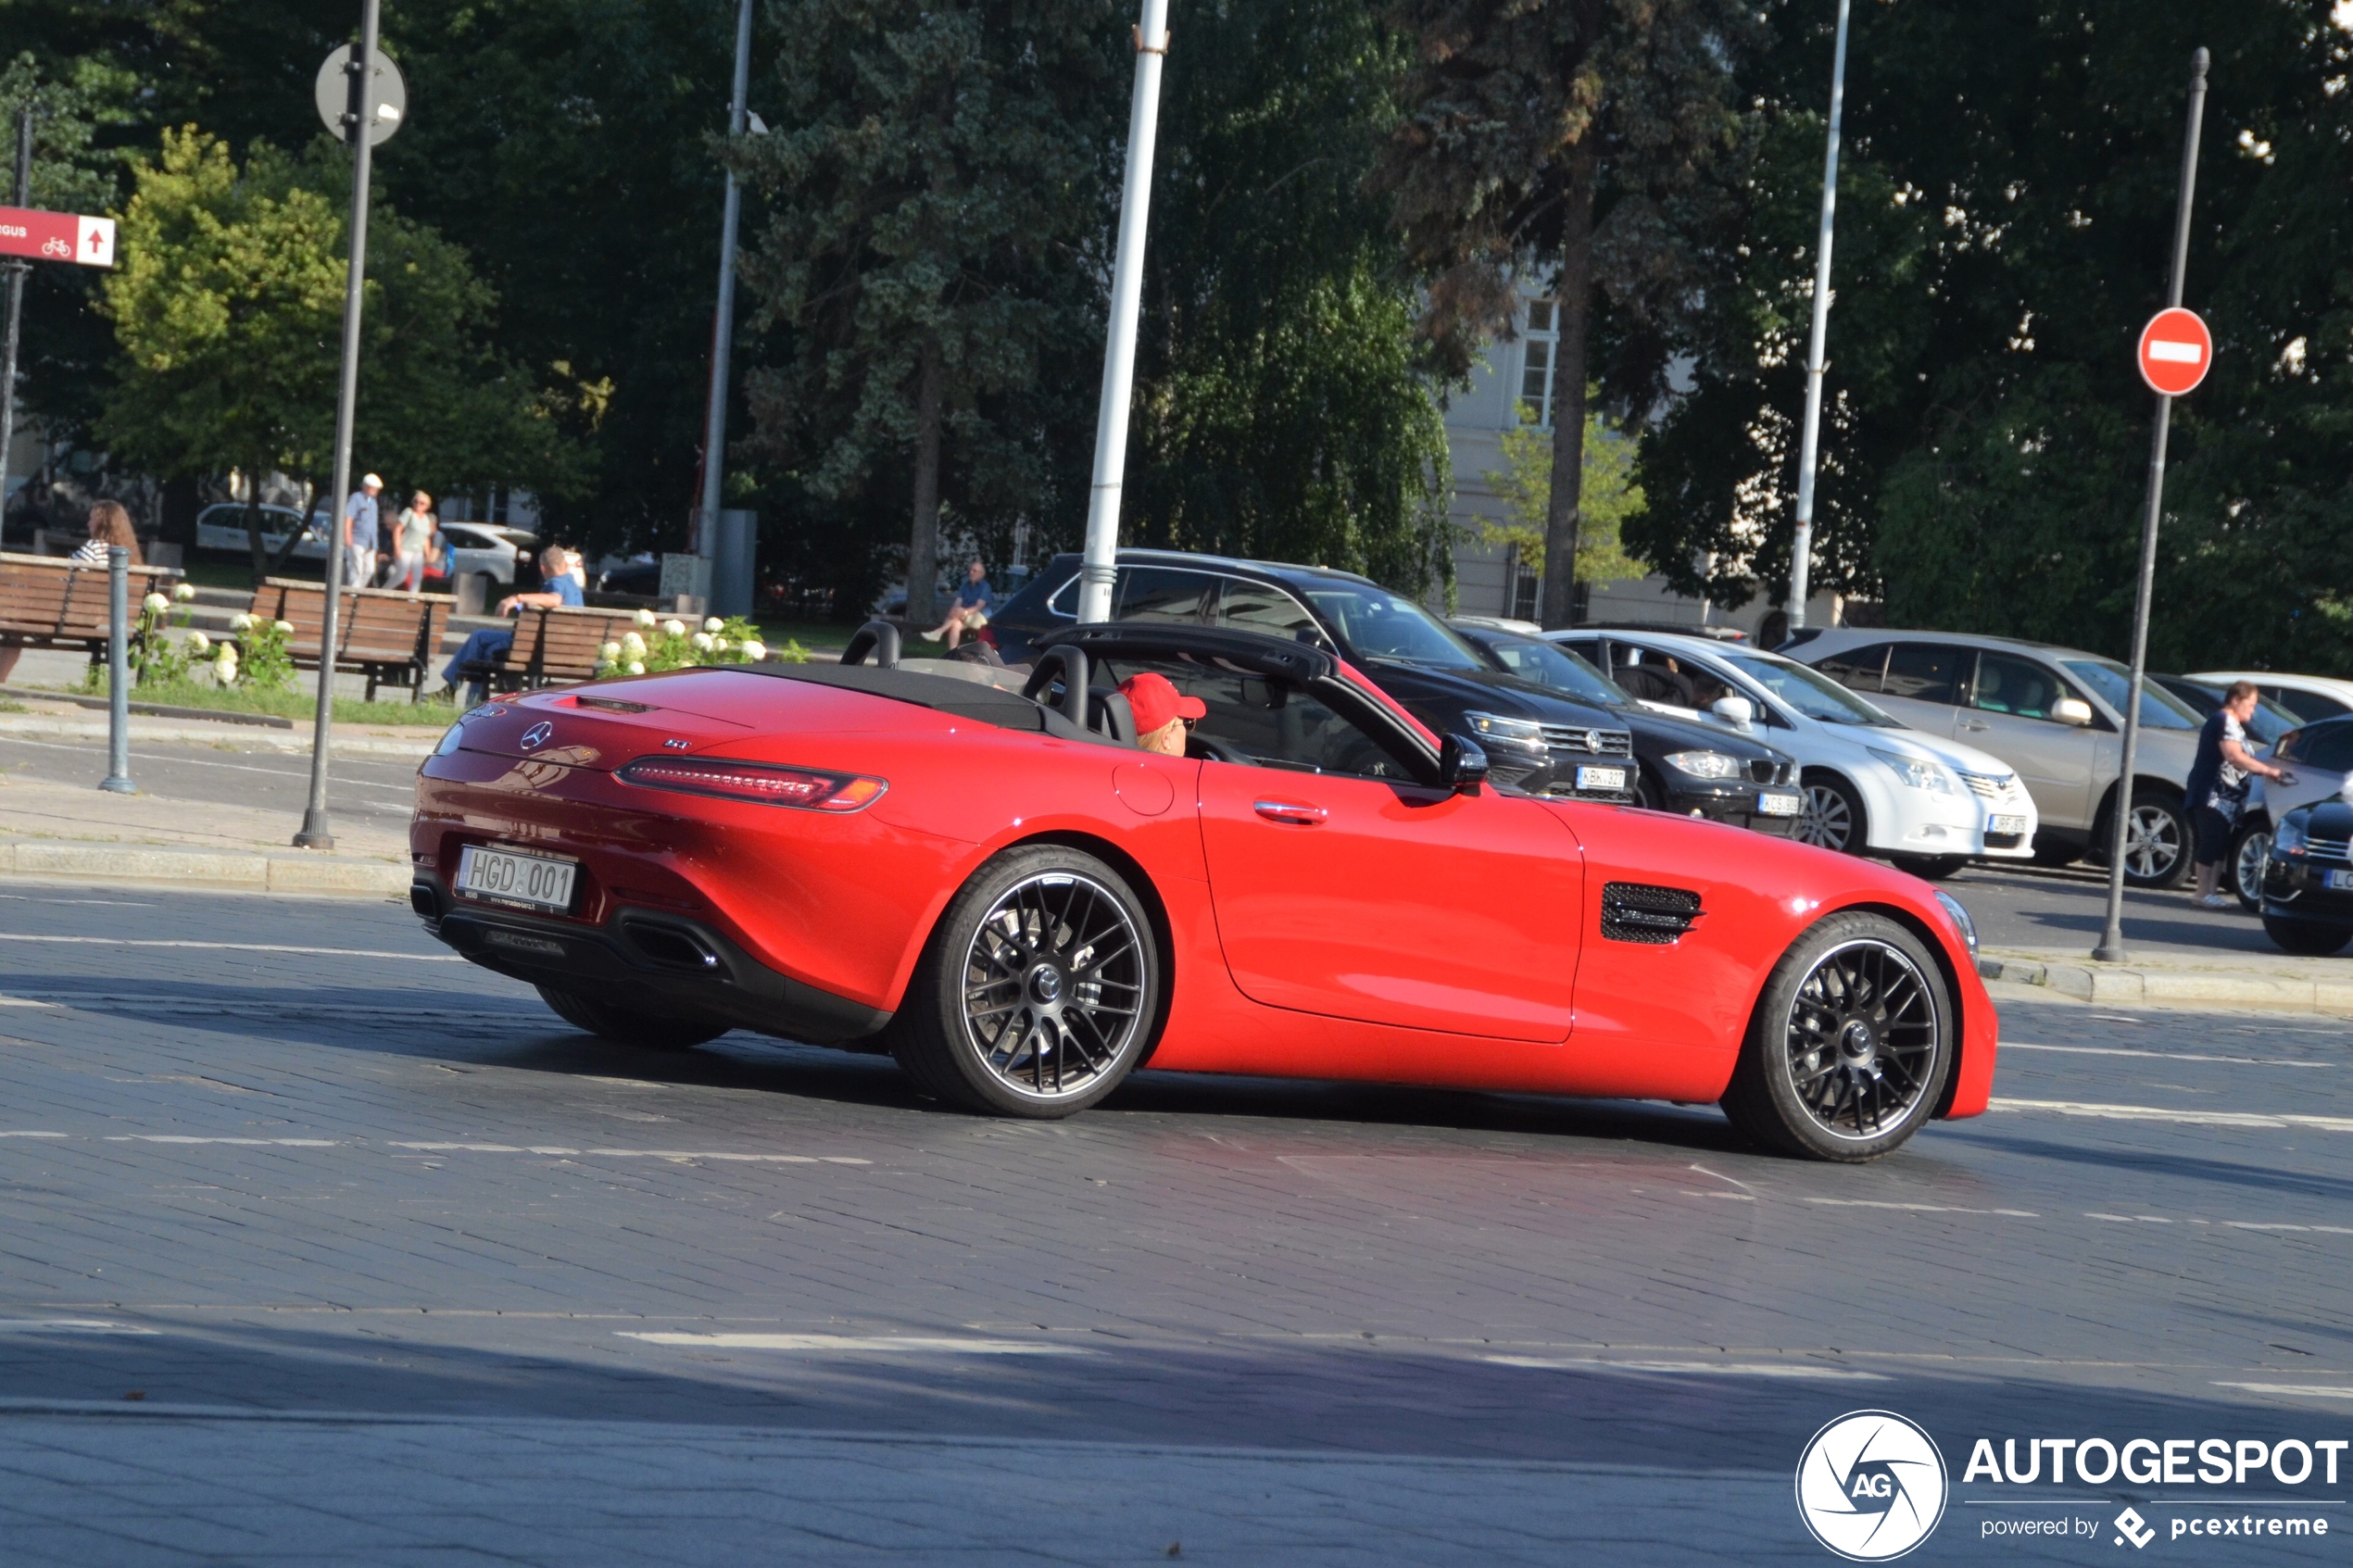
pixel 222 526
pixel 1872 783
pixel 2310 697
pixel 488 550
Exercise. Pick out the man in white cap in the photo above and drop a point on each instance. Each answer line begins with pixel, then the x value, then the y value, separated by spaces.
pixel 360 533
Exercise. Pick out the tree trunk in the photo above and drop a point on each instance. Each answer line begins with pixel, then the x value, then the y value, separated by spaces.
pixel 253 526
pixel 1563 511
pixel 294 542
pixel 922 543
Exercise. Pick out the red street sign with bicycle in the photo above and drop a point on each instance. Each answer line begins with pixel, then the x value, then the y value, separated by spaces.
pixel 56 236
pixel 2176 350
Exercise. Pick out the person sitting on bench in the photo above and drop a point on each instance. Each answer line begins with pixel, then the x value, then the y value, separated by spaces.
pixel 485 648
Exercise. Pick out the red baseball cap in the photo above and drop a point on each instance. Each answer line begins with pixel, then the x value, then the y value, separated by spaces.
pixel 1156 701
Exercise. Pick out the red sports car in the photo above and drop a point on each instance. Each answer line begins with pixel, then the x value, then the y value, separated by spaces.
pixel 976 870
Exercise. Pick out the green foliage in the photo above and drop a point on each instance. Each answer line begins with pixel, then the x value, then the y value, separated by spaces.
pixel 1611 499
pixel 658 645
pixel 71 172
pixel 154 654
pixel 258 658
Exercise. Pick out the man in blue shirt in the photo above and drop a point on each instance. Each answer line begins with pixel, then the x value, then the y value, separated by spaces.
pixel 360 533
pixel 486 647
pixel 970 612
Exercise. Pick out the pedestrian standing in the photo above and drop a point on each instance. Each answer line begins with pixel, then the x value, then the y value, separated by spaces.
pixel 360 534
pixel 412 534
pixel 2216 786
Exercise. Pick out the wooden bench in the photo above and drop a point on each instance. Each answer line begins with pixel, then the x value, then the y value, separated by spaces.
pixel 46 602
pixel 557 647
pixel 389 636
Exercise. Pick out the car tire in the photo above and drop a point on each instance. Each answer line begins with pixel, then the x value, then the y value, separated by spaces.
pixel 2250 846
pixel 1832 816
pixel 1930 867
pixel 1648 795
pixel 625 1027
pixel 2156 848
pixel 2306 938
pixel 1851 1045
pixel 1013 1009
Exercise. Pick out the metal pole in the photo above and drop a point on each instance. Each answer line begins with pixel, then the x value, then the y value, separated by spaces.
pixel 17 270
pixel 722 332
pixel 316 833
pixel 2111 948
pixel 1801 556
pixel 1127 292
pixel 118 779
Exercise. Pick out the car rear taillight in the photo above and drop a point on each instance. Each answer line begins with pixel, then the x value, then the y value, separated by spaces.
pixel 761 782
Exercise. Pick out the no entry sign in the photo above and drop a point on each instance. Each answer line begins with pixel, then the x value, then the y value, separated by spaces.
pixel 2175 351
pixel 56 236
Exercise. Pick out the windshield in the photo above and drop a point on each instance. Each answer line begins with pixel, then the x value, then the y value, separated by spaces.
pixel 1816 696
pixel 2160 709
pixel 1548 664
pixel 1378 624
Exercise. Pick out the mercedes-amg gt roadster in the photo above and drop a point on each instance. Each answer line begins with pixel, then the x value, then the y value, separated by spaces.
pixel 978 871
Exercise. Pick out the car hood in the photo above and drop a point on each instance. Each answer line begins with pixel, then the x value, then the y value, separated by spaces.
pixel 1953 754
pixel 1491 691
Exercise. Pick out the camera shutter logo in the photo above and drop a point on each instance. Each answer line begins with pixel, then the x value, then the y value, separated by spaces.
pixel 1871 1485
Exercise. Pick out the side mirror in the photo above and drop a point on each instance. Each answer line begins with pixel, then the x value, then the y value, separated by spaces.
pixel 1734 711
pixel 2072 711
pixel 1461 765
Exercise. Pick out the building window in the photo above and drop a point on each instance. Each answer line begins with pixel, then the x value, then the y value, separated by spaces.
pixel 1540 343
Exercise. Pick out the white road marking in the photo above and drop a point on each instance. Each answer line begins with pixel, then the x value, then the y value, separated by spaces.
pixel 2187 1118
pixel 2161 1056
pixel 2310 1390
pixel 1709 1368
pixel 1921 1208
pixel 857 1345
pixel 36 1134
pixel 68 1325
pixel 633 1153
pixel 249 1143
pixel 23 1002
pixel 230 946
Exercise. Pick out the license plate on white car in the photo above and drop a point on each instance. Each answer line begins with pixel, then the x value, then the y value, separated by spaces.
pixel 2340 882
pixel 1600 777
pixel 2006 824
pixel 1773 805
pixel 502 876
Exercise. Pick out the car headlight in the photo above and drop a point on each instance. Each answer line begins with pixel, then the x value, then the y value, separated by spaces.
pixel 1706 764
pixel 1522 738
pixel 1960 916
pixel 2288 837
pixel 1914 772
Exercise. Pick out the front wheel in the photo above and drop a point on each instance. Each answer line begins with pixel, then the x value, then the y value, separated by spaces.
pixel 1833 815
pixel 625 1027
pixel 2306 938
pixel 2250 846
pixel 1038 990
pixel 2156 840
pixel 1850 1047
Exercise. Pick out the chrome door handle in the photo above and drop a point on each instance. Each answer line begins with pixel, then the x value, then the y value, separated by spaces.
pixel 1975 724
pixel 1291 814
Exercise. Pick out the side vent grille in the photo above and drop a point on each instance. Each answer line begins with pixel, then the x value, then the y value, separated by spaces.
pixel 1634 911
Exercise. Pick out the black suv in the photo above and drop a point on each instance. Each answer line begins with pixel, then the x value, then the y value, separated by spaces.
pixel 1536 739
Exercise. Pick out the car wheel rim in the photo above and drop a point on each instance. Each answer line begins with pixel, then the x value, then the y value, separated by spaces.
pixel 1828 822
pixel 2249 867
pixel 2152 842
pixel 1054 986
pixel 1862 1040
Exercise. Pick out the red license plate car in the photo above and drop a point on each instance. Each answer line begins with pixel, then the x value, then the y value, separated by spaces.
pixel 979 870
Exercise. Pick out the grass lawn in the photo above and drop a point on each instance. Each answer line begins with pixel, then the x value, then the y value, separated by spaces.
pixel 298 702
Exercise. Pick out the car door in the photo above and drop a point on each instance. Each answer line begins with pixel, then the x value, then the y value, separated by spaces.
pixel 1343 888
pixel 1921 685
pixel 2008 713
pixel 1163 594
pixel 2322 759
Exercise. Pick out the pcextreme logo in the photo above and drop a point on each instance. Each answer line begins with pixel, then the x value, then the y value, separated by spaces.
pixel 1871 1486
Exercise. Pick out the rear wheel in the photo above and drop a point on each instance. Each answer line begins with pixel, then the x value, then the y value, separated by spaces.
pixel 1930 868
pixel 2306 938
pixel 625 1027
pixel 1833 815
pixel 1851 1044
pixel 2156 840
pixel 2250 846
pixel 1037 993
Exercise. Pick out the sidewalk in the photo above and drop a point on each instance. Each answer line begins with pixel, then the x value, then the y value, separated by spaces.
pixel 2154 977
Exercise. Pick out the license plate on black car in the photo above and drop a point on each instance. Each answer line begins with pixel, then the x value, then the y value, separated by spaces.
pixel 502 876
pixel 1771 805
pixel 1611 779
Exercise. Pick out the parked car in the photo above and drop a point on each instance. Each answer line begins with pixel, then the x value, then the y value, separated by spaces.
pixel 1685 767
pixel 2270 720
pixel 1672 628
pixel 2310 697
pixel 2054 714
pixel 994 886
pixel 1873 784
pixel 2308 878
pixel 2319 757
pixel 221 527
pixel 1445 682
pixel 497 554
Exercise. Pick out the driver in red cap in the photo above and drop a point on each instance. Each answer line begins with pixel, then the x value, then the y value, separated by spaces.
pixel 1163 713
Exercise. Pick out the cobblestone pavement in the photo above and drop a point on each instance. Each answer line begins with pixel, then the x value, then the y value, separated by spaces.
pixel 316 1246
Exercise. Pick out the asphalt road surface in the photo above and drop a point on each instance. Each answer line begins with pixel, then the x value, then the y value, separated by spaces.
pixel 379 790
pixel 2027 907
pixel 318 1247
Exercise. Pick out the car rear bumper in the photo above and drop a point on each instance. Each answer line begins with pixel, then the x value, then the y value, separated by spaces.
pixel 647 961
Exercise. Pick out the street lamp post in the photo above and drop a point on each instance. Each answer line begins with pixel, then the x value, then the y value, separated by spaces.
pixel 723 330
pixel 16 270
pixel 1801 556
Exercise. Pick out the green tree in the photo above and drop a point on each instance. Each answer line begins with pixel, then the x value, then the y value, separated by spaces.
pixel 1563 141
pixel 934 204
pixel 1611 499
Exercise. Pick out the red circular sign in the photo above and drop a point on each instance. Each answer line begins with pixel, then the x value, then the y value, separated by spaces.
pixel 2175 351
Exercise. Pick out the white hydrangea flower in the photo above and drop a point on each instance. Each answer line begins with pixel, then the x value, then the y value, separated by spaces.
pixel 199 643
pixel 713 624
pixel 224 670
pixel 636 667
pixel 184 591
pixel 754 650
pixel 228 652
pixel 645 618
pixel 632 644
pixel 702 642
pixel 609 652
pixel 719 645
pixel 241 621
pixel 285 626
pixel 673 628
pixel 154 604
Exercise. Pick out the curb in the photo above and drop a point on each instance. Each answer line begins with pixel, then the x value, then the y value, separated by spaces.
pixel 293 871
pixel 2124 986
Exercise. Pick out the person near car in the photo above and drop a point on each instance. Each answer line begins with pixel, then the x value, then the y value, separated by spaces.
pixel 970 612
pixel 411 531
pixel 361 534
pixel 2217 789
pixel 483 647
pixel 1164 714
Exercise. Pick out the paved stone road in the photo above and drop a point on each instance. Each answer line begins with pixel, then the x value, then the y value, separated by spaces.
pixel 318 1247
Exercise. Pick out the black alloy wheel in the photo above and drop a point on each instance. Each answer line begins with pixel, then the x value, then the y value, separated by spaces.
pixel 625 1027
pixel 1039 991
pixel 1832 815
pixel 1851 1045
pixel 2250 847
pixel 2306 938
